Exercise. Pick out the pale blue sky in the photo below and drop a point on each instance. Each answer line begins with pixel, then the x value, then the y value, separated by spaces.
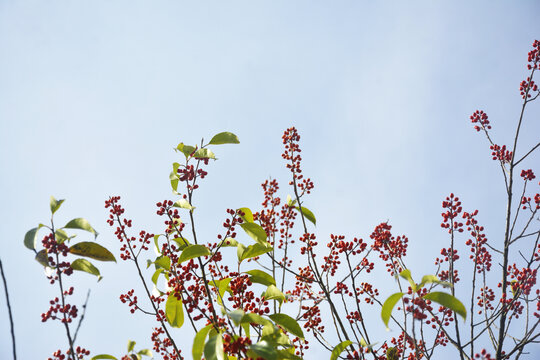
pixel 94 95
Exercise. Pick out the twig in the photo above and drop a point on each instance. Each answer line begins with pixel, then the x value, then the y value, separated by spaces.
pixel 9 311
pixel 82 316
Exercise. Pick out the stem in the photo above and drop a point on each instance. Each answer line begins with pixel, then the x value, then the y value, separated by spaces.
pixel 506 251
pixel 59 273
pixel 82 316
pixel 9 311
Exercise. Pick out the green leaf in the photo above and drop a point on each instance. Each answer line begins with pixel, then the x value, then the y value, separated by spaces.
pixel 145 352
pixel 260 277
pixel 193 251
pixel 448 301
pixel 86 266
pixel 213 350
pixel 163 262
pixel 388 306
pixel 228 242
pixel 392 354
pixel 236 316
pixel 252 251
pixel 155 277
pixel 30 239
pixel 288 323
pixel 174 182
pixel 130 346
pixel 223 286
pixel 432 279
pixel 255 231
pixel 92 250
pixel 204 154
pixel 273 293
pixel 406 274
pixel 183 204
pixel 265 350
pixel 182 242
pixel 290 201
pixel 252 318
pixel 81 224
pixel 248 215
pixel 42 257
pixel 308 214
pixel 224 138
pixel 339 349
pixel 198 342
pixel 55 204
pixel 187 150
pixel 174 311
pixel 61 236
pixel 103 356
pixel 288 354
pixel 363 343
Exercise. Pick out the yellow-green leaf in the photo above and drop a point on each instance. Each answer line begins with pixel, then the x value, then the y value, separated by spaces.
pixel 193 251
pixel 204 154
pixel 252 251
pixel 145 352
pixel 92 250
pixel 260 277
pixel 392 353
pixel 55 204
pixel 81 224
pixel 86 266
pixel 174 311
pixel 198 342
pixel 339 349
pixel 248 215
pixel 183 204
pixel 255 231
pixel 273 293
pixel 388 306
pixel 224 138
pixel 288 323
pixel 213 350
pixel 448 301
pixel 130 346
pixel 42 257
pixel 30 239
pixel 406 274
pixel 308 214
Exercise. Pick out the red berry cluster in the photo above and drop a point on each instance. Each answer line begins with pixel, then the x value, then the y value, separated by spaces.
pixel 391 249
pixel 80 353
pixel 163 345
pixel 534 56
pixel 480 117
pixel 453 209
pixel 129 244
pixel 478 243
pixel 526 87
pixel 68 312
pixel 53 247
pixel 527 175
pixel 174 224
pixel 129 297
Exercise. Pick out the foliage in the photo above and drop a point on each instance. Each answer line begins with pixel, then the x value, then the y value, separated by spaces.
pixel 270 292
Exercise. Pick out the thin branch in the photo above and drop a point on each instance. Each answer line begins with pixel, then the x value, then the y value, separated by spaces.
pixel 527 154
pixel 82 316
pixel 9 311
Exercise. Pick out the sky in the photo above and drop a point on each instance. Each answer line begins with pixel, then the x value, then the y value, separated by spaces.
pixel 94 95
